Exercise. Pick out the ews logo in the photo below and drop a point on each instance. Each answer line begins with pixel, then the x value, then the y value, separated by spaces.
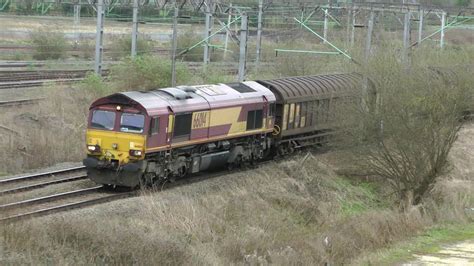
pixel 199 120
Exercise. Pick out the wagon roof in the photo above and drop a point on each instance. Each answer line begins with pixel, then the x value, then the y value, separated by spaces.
pixel 305 88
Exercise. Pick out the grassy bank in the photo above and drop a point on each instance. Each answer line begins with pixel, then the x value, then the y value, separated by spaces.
pixel 296 211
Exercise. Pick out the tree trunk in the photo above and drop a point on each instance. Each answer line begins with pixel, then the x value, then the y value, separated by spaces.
pixel 407 201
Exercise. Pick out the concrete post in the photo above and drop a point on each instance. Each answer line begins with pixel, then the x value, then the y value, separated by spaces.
pixel 243 47
pixel 99 37
pixel 134 28
pixel 353 27
pixel 77 20
pixel 348 27
pixel 207 32
pixel 366 99
pixel 443 25
pixel 370 28
pixel 406 38
pixel 420 26
pixel 325 33
pixel 175 44
pixel 229 18
pixel 259 30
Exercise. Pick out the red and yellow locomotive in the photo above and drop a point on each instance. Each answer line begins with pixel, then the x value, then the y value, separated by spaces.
pixel 143 138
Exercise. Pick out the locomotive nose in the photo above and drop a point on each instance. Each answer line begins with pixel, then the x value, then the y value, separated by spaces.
pixel 117 147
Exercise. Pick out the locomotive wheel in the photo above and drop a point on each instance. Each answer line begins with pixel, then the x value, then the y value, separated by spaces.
pixel 143 182
pixel 182 171
pixel 237 163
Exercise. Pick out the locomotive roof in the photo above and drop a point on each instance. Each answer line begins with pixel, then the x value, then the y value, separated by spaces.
pixel 191 98
pixel 306 88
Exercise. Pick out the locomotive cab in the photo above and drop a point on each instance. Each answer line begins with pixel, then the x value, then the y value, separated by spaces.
pixel 115 140
pixel 116 135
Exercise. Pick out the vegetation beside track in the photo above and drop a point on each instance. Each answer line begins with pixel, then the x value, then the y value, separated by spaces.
pixel 299 210
pixel 428 242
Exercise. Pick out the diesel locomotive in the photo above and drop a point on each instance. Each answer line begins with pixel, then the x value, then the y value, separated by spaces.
pixel 144 138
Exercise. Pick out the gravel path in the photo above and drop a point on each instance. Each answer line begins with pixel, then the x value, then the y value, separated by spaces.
pixel 457 254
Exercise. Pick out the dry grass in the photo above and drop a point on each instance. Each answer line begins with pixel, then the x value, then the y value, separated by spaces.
pixel 48 133
pixel 279 213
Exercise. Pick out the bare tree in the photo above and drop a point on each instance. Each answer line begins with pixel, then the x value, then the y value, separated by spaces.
pixel 406 139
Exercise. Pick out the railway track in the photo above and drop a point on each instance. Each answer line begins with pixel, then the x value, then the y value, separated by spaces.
pixel 40 175
pixel 20 75
pixel 35 181
pixel 92 196
pixel 35 83
pixel 20 102
pixel 79 198
pixel 11 79
pixel 19 205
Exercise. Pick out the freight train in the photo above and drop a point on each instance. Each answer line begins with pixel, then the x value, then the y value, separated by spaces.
pixel 145 138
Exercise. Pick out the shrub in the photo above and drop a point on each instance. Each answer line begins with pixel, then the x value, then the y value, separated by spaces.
pixel 146 73
pixel 48 45
pixel 95 86
pixel 122 47
pixel 85 47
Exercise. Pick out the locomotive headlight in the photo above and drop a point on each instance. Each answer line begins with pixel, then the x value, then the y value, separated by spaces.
pixel 136 153
pixel 93 148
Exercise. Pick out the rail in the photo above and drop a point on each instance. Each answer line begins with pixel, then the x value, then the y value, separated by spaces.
pixel 67 207
pixel 43 174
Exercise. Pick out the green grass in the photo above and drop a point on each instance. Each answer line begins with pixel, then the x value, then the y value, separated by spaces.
pixel 357 197
pixel 426 243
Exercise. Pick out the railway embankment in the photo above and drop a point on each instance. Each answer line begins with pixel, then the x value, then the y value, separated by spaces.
pixel 296 210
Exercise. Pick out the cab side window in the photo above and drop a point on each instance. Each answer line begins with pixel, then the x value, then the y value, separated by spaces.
pixel 155 125
pixel 182 125
pixel 255 119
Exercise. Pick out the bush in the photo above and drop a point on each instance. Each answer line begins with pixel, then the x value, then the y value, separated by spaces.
pixel 146 73
pixel 122 47
pixel 95 86
pixel 48 45
pixel 85 47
